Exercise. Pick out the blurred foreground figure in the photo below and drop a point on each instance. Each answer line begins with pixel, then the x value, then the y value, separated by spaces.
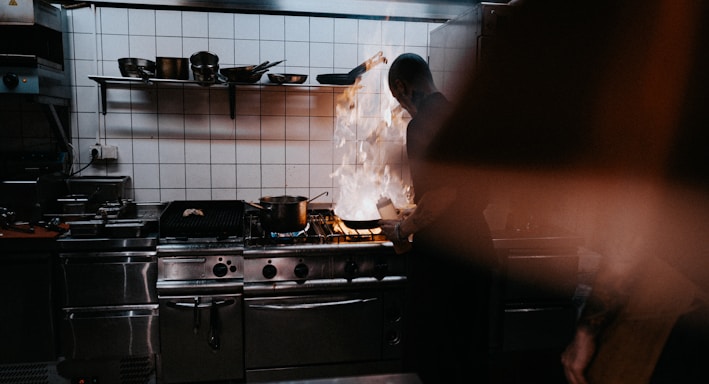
pixel 608 102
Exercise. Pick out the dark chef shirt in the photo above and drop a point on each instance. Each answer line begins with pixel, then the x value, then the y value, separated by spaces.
pixel 419 135
pixel 464 219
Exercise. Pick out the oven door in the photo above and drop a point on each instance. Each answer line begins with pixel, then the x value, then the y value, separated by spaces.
pixel 201 338
pixel 326 328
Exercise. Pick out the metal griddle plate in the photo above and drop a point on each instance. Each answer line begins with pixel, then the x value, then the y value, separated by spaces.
pixel 221 218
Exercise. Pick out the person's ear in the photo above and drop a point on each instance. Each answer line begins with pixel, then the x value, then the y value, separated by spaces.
pixel 400 86
pixel 408 91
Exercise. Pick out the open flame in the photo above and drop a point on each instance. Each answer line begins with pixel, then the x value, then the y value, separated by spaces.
pixel 375 60
pixel 366 129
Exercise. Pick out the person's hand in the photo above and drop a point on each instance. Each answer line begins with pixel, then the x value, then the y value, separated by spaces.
pixel 577 356
pixel 392 230
pixel 406 212
pixel 389 229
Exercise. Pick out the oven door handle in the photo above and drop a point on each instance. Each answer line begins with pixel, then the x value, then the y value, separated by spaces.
pixel 196 318
pixel 199 304
pixel 213 338
pixel 289 307
pixel 107 258
pixel 177 260
pixel 110 312
pixel 195 306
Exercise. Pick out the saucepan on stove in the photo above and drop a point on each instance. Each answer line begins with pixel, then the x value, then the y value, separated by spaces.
pixel 357 220
pixel 285 213
pixel 354 214
pixel 360 224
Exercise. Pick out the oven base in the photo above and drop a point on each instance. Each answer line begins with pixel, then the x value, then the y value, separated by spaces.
pixel 32 372
pixel 118 370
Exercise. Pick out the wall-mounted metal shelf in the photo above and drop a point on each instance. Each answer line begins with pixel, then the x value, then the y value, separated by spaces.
pixel 106 81
pixel 400 10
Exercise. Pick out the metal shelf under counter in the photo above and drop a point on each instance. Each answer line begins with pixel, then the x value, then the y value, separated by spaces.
pixel 106 81
pixel 536 238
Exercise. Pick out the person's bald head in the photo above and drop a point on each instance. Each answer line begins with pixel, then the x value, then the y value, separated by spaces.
pixel 410 81
pixel 412 69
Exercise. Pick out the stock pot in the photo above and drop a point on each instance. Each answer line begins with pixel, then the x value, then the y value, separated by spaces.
pixel 285 213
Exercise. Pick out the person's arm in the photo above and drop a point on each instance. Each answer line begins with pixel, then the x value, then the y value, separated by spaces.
pixel 428 209
pixel 607 299
pixel 602 307
pixel 578 355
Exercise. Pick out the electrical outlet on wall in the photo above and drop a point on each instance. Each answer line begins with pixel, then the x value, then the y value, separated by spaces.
pixel 103 152
pixel 110 152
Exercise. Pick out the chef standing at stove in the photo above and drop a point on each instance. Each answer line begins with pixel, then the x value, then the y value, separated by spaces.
pixel 446 341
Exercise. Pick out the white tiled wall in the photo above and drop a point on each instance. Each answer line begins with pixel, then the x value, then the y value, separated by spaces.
pixel 179 142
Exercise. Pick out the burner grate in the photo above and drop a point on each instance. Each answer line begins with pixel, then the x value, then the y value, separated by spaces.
pixel 322 228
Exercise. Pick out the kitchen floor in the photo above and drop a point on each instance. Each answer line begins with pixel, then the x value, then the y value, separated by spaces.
pixel 402 378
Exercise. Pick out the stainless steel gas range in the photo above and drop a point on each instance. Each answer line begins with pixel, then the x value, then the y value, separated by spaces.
pixel 323 302
pixel 326 301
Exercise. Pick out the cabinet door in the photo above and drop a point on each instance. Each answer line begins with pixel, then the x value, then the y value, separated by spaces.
pixel 537 328
pixel 26 319
pixel 201 338
pixel 541 276
pixel 303 330
pixel 107 279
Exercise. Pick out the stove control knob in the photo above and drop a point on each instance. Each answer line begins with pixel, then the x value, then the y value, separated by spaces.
pixel 301 271
pixel 10 80
pixel 220 270
pixel 380 270
pixel 269 271
pixel 351 269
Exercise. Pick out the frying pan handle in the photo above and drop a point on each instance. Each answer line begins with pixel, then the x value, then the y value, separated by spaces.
pixel 366 65
pixel 266 65
pixel 145 75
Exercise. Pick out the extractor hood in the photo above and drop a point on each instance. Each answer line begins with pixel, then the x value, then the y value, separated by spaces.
pixel 434 10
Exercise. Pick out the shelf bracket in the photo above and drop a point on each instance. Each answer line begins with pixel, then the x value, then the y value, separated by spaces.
pixel 232 100
pixel 102 88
